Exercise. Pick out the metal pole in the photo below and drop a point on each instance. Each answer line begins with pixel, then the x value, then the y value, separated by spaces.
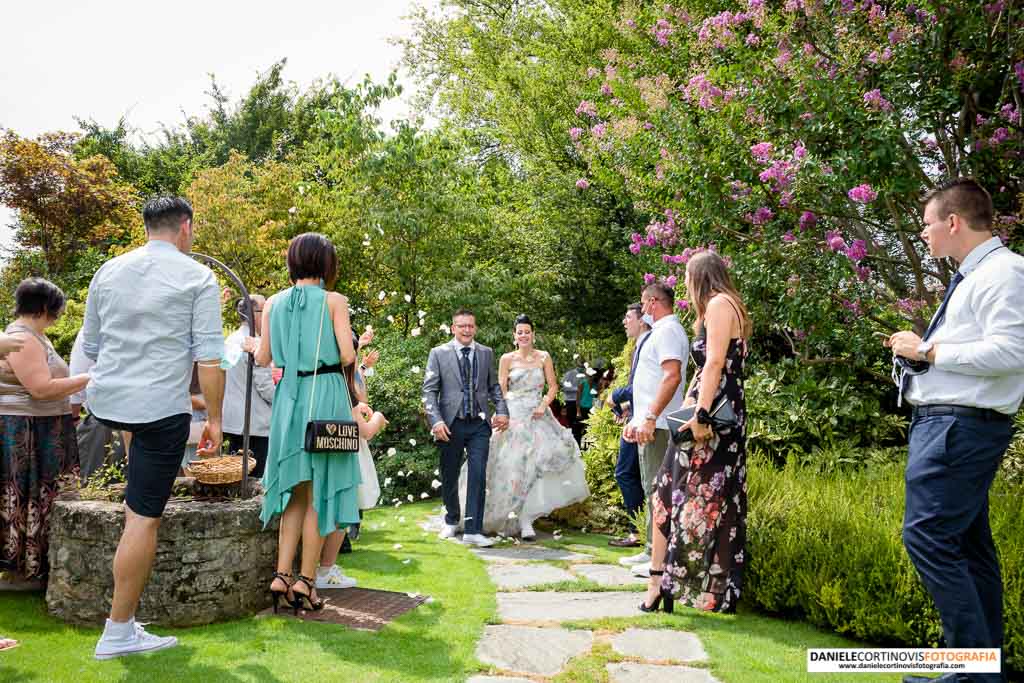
pixel 250 360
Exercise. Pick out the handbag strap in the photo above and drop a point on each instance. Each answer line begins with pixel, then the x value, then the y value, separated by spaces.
pixel 316 363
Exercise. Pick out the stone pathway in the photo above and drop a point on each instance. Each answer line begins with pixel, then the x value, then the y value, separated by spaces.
pixel 531 644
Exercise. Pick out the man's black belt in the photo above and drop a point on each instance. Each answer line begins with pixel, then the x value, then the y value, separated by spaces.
pixel 963 411
pixel 322 370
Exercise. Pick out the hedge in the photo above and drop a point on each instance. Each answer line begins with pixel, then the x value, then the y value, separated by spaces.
pixel 827 549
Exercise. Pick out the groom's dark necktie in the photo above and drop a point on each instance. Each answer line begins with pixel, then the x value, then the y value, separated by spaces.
pixel 940 316
pixel 466 366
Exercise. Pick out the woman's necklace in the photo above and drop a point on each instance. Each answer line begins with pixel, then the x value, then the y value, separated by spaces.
pixel 527 358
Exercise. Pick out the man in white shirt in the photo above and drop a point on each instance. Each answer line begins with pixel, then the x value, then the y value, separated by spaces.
pixel 658 386
pixel 969 384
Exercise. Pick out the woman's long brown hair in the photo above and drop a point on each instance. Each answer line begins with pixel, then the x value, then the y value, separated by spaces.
pixel 710 276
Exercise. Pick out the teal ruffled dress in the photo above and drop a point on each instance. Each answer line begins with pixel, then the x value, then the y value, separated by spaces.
pixel 294 323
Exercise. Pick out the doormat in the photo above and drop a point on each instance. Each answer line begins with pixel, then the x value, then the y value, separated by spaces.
pixel 360 608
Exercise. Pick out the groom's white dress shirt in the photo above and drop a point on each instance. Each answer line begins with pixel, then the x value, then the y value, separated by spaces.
pixel 979 346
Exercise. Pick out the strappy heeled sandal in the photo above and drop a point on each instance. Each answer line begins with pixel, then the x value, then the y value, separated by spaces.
pixel 277 595
pixel 662 593
pixel 303 600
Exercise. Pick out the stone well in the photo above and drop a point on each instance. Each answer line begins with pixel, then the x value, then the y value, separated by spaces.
pixel 213 562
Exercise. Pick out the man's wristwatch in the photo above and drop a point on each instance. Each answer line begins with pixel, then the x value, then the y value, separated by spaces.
pixel 923 349
pixel 651 416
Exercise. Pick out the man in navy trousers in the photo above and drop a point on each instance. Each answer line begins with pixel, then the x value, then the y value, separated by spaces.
pixel 965 379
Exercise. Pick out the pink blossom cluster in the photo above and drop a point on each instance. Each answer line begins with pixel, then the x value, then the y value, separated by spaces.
pixel 582 184
pixel 896 36
pixel 779 175
pixel 852 306
pixel 857 251
pixel 649 278
pixel 762 152
pixel 719 28
pixel 808 220
pixel 606 89
pixel 996 7
pixel 592 72
pixel 1000 136
pixel 752 40
pixel 587 108
pixel 788 237
pixel 760 216
pixel 701 90
pixel 784 57
pixel 739 190
pixel 911 306
pixel 876 57
pixel 835 241
pixel 681 258
pixel 862 194
pixel 874 100
pixel 575 133
pixel 662 29
pixel 1010 113
pixel 682 304
pixel 599 130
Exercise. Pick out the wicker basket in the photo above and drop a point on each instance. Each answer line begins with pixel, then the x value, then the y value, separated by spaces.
pixel 225 469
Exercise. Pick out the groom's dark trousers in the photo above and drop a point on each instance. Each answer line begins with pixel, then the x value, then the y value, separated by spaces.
pixel 952 462
pixel 473 437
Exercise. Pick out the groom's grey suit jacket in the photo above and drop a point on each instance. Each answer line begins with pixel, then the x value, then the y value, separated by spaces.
pixel 442 385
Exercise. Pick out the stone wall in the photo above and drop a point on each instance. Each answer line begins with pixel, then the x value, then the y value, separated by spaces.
pixel 213 563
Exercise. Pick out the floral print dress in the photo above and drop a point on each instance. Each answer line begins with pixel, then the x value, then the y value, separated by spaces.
pixel 701 501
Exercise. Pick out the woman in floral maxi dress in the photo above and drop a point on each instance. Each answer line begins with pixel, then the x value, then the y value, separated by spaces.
pixel 700 506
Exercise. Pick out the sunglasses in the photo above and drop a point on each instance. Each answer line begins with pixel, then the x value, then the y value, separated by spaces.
pixel 905 367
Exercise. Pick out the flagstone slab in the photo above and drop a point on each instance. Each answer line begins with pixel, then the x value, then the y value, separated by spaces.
pixel 607 574
pixel 498 679
pixel 524 553
pixel 509 576
pixel 559 607
pixel 628 672
pixel 659 644
pixel 532 650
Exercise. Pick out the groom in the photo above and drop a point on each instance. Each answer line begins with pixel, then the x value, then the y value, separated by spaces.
pixel 460 380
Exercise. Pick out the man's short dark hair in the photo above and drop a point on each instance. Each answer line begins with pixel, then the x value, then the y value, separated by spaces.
pixel 36 296
pixel 313 255
pixel 659 290
pixel 637 309
pixel 966 198
pixel 165 213
pixel 461 311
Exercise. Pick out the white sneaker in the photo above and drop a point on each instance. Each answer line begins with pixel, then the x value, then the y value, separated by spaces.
pixel 479 540
pixel 129 639
pixel 639 558
pixel 333 578
pixel 642 571
pixel 448 531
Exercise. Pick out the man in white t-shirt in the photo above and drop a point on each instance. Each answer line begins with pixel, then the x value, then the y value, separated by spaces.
pixel 658 387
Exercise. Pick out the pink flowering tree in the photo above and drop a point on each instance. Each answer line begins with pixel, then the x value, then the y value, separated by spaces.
pixel 797 137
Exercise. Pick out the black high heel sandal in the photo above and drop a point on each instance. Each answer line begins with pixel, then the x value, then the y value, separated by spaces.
pixel 662 594
pixel 303 600
pixel 284 576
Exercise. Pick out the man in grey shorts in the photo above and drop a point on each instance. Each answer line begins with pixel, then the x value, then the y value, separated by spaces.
pixel 658 388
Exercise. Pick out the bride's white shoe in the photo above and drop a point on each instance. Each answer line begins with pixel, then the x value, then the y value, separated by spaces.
pixel 527 533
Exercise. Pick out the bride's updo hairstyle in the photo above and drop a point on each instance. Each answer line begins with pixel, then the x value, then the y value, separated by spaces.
pixel 522 319
pixel 707 275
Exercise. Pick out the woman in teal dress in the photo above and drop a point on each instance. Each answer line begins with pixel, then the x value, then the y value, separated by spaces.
pixel 315 493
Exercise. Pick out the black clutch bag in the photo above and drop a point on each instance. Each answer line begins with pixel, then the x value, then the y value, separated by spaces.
pixel 723 418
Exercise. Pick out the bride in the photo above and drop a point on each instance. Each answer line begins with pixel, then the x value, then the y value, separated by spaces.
pixel 534 466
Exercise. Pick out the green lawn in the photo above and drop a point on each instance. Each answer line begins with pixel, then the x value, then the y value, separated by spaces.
pixel 434 642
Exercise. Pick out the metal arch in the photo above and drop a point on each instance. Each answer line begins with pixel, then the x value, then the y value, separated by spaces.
pixel 209 260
